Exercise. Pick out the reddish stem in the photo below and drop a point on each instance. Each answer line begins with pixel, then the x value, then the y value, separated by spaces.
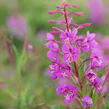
pixel 76 69
pixel 12 45
pixel 77 73
pixel 66 20
pixel 99 103
pixel 25 45
pixel 10 54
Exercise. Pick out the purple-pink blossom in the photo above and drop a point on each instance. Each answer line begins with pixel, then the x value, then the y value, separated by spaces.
pixel 58 70
pixel 69 92
pixel 52 55
pixel 69 37
pixel 17 26
pixel 90 40
pixel 94 80
pixel 97 84
pixel 87 101
pixel 70 53
pixel 82 44
pixel 52 45
pixel 54 69
pixel 90 75
pixel 96 61
pixel 97 11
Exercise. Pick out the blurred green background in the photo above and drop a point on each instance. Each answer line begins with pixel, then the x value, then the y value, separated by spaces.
pixel 27 85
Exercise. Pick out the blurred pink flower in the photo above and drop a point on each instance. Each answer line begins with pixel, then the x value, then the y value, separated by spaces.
pixel 17 26
pixel 2 84
pixel 30 47
pixel 87 101
pixel 97 11
pixel 104 46
pixel 105 89
pixel 41 35
pixel 105 42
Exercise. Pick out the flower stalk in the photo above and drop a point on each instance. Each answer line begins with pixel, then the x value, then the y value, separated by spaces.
pixel 10 53
pixel 66 56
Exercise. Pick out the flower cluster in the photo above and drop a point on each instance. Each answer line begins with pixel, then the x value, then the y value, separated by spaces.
pixel 87 101
pixel 69 92
pixel 66 53
pixel 94 80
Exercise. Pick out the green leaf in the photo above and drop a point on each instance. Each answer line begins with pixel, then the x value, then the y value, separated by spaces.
pixel 94 97
pixel 92 92
pixel 21 62
pixel 16 51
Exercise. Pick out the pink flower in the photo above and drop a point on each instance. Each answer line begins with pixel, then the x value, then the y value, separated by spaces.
pixel 98 12
pixel 50 37
pixel 67 59
pixel 17 26
pixel 94 80
pixel 97 84
pixel 52 56
pixel 53 46
pixel 70 54
pixel 54 70
pixel 87 101
pixel 105 88
pixel 69 37
pixel 52 12
pixel 62 89
pixel 82 44
pixel 69 92
pixel 90 75
pixel 58 70
pixel 96 61
pixel 65 71
pixel 90 40
pixel 52 21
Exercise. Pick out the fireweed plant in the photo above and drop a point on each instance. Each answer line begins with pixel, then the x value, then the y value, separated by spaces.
pixel 75 58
